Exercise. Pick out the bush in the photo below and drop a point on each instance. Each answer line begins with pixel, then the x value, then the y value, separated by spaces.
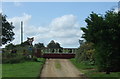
pixel 17 53
pixel 85 53
pixel 13 59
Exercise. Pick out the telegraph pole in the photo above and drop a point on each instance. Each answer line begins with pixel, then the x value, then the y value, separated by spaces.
pixel 21 31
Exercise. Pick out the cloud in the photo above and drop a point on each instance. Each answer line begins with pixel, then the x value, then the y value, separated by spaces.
pixel 64 26
pixel 63 22
pixel 16 20
pixel 64 29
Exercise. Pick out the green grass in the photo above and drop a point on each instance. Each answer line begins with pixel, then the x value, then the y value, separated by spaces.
pixel 57 65
pixel 26 69
pixel 0 70
pixel 91 71
pixel 0 64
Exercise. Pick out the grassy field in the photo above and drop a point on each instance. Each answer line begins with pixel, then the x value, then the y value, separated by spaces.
pixel 26 69
pixel 91 71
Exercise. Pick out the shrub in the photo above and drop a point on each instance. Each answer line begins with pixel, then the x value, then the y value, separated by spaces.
pixel 13 59
pixel 85 53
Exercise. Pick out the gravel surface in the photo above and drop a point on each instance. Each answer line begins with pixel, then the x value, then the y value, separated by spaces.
pixel 60 68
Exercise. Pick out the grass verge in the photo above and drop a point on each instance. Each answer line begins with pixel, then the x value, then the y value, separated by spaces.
pixel 91 72
pixel 26 69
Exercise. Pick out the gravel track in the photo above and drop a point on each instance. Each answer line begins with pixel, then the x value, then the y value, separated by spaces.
pixel 60 68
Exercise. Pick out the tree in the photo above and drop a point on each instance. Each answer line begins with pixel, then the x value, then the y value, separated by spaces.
pixel 10 46
pixel 57 45
pixel 53 44
pixel 85 52
pixel 26 43
pixel 7 30
pixel 104 32
pixel 39 45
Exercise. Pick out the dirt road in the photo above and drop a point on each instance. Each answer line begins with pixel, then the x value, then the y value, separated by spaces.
pixel 60 68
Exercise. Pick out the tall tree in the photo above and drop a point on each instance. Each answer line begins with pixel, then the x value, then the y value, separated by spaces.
pixel 104 32
pixel 53 44
pixel 7 30
pixel 39 45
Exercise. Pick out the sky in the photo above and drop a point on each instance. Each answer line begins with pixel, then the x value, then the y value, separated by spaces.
pixel 46 21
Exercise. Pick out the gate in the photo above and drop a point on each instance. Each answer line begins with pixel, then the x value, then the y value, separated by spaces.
pixel 57 53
